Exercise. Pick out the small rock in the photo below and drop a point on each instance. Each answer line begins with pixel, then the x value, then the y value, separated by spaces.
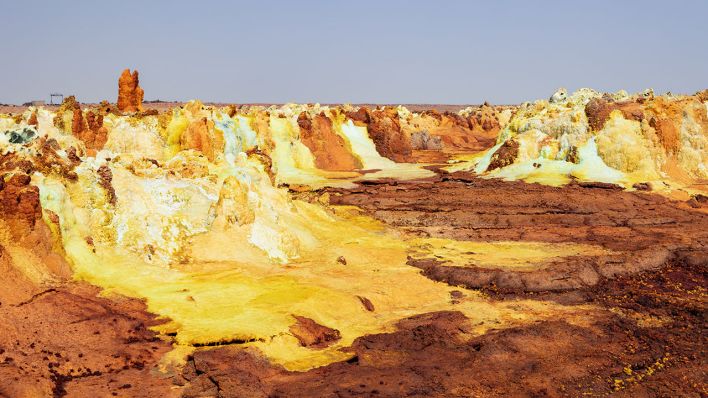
pixel 342 260
pixel 599 185
pixel 366 303
pixel 456 296
pixel 559 96
pixel 313 335
pixel 642 186
pixel 693 203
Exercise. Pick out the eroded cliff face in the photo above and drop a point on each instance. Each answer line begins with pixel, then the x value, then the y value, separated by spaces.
pixel 330 150
pixel 30 256
pixel 219 219
pixel 384 128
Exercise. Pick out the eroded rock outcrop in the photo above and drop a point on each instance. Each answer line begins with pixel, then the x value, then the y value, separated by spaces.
pixel 41 154
pixel 201 136
pixel 330 150
pixel 598 111
pixel 89 129
pixel 130 94
pixel 30 251
pixel 384 128
pixel 19 202
pixel 612 138
pixel 422 140
pixel 105 177
pixel 33 119
pixel 472 129
pixel 504 156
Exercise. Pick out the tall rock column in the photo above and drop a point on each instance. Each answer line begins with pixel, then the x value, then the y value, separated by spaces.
pixel 130 94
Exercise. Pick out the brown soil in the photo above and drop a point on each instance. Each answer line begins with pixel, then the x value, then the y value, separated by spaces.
pixel 69 342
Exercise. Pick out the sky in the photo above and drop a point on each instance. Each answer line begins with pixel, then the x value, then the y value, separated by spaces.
pixel 382 51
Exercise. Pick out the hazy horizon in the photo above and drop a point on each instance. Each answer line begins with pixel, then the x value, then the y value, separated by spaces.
pixel 447 52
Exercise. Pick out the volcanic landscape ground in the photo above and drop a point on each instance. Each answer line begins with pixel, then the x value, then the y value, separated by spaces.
pixel 354 251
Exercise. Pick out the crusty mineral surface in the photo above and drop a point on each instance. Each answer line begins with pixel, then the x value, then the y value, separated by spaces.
pixel 552 249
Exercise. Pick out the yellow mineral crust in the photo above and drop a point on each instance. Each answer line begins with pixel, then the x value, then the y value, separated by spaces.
pixel 660 140
pixel 511 254
pixel 229 291
pixel 186 211
pixel 223 255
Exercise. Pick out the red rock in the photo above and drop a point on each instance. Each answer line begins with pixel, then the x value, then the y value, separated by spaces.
pixel 19 201
pixel 450 133
pixel 89 130
pixel 598 110
pixel 313 335
pixel 668 133
pixel 505 155
pixel 106 176
pixel 33 119
pixel 384 129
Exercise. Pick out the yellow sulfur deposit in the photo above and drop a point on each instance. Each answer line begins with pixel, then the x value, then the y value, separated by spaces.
pixel 188 210
pixel 229 291
pixel 612 138
pixel 511 254
pixel 184 211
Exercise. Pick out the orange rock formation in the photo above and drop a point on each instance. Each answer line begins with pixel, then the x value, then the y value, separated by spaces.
pixel 130 94
pixel 384 129
pixel 329 149
pixel 598 111
pixel 663 114
pixel 89 130
pixel 22 225
pixel 201 136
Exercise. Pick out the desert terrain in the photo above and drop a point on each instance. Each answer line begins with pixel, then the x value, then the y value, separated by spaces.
pixel 555 248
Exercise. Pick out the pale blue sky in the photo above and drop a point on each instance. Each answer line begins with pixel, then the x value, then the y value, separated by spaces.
pixel 432 51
